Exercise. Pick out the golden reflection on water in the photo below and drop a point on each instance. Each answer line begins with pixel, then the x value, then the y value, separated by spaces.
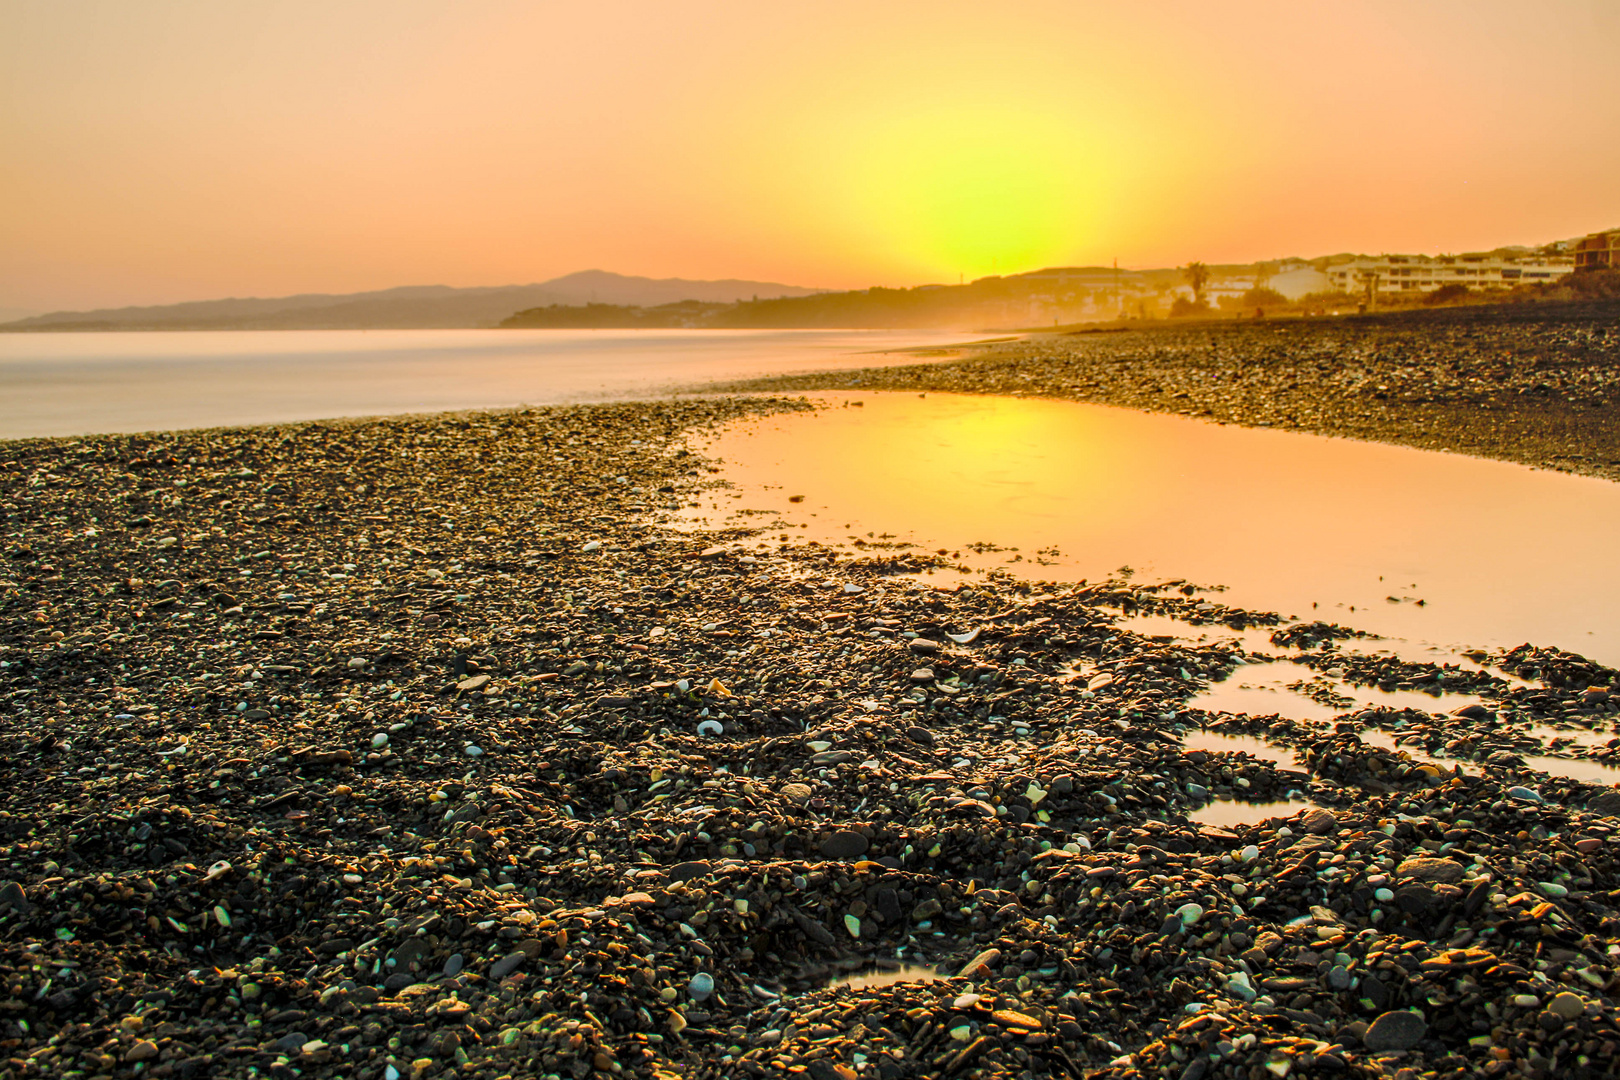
pixel 1349 532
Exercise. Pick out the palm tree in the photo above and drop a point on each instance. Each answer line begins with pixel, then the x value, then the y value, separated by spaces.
pixel 1197 275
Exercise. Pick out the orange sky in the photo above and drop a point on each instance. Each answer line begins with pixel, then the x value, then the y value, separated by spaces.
pixel 162 150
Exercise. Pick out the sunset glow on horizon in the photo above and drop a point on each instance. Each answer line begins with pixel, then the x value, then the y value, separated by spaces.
pixel 169 150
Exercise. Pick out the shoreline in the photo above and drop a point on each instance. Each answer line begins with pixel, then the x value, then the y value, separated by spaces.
pixel 1534 384
pixel 388 747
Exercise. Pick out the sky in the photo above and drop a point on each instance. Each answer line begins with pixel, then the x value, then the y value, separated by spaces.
pixel 166 150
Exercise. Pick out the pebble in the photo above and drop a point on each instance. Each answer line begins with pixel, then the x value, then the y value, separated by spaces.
pixel 700 986
pixel 507 964
pixel 1428 869
pixel 845 844
pixel 1400 1030
pixel 1566 1005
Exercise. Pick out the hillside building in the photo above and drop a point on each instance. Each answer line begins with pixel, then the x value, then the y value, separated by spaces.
pixel 1599 251
pixel 1396 274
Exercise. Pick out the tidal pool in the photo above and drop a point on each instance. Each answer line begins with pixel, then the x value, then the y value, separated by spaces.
pixel 885 975
pixel 1432 549
pixel 1264 689
pixel 1225 813
pixel 1590 772
pixel 1216 742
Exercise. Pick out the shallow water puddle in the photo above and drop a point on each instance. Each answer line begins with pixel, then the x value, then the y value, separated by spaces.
pixel 1310 527
pixel 1216 742
pixel 1587 772
pixel 886 975
pixel 1225 813
pixel 1558 736
pixel 1257 641
pixel 1264 689
pixel 1250 640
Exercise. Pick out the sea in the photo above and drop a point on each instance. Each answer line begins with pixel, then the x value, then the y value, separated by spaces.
pixel 92 383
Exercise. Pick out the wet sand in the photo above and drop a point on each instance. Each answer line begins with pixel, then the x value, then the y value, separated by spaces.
pixel 432 746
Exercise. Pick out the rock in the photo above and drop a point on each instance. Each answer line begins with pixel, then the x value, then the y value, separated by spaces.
pixel 924 647
pixel 799 794
pixel 146 1050
pixel 1606 803
pixel 845 844
pixel 700 986
pixel 923 675
pixel 1015 1019
pixel 13 898
pixel 1566 1005
pixel 981 965
pixel 1524 794
pixel 507 964
pixel 476 682
pixel 1240 986
pixel 1417 899
pixel 1423 868
pixel 1395 1031
pixel 1319 821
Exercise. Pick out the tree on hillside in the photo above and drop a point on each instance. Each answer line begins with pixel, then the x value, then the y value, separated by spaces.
pixel 1197 275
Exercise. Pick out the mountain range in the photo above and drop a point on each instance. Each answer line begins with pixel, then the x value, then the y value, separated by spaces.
pixel 412 307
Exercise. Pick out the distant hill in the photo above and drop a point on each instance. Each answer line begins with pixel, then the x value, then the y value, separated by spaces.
pixel 415 307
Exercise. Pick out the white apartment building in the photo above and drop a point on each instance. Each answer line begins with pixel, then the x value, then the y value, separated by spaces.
pixel 1394 274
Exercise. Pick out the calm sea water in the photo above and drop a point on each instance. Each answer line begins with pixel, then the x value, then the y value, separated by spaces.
pixel 74 384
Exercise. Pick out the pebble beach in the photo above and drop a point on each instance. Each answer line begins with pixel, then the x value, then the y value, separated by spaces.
pixel 440 746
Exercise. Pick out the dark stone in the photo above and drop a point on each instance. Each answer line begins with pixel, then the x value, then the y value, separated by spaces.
pixel 1395 1031
pixel 1416 899
pixel 1607 804
pixel 13 897
pixel 507 964
pixel 1377 991
pixel 845 844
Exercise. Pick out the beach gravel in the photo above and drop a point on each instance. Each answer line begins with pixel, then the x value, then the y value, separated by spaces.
pixel 709 783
